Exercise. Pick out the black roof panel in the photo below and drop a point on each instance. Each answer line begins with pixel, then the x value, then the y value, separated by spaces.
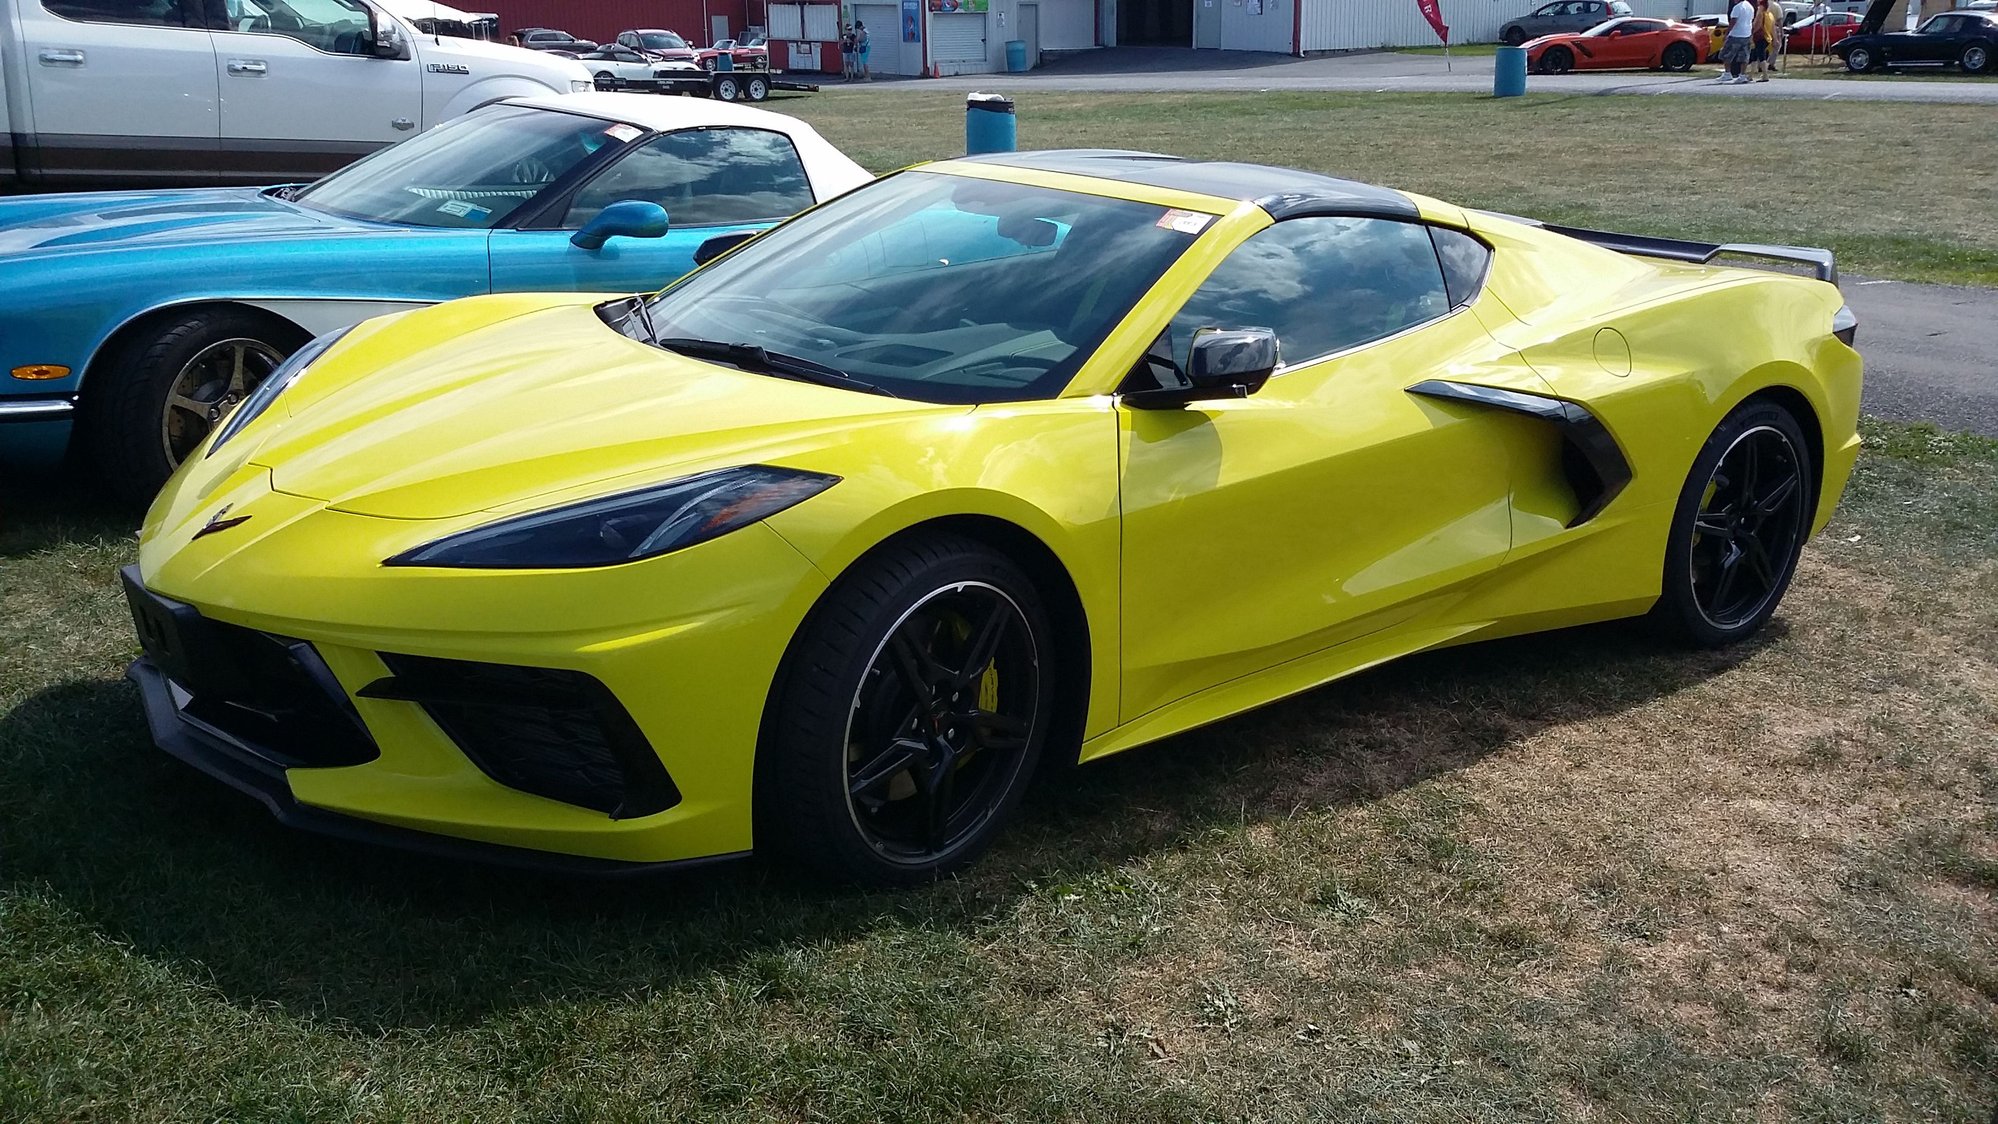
pixel 1283 192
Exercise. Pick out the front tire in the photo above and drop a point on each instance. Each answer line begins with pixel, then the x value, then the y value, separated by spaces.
pixel 157 401
pixel 728 89
pixel 908 716
pixel 757 88
pixel 1739 527
pixel 1557 60
pixel 1859 60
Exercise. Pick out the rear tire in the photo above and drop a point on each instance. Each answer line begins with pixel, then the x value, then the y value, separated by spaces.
pixel 1739 528
pixel 1513 36
pixel 1678 56
pixel 757 88
pixel 161 394
pixel 728 89
pixel 1976 59
pixel 908 716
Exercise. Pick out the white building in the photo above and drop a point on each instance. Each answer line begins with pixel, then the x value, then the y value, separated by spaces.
pixel 917 37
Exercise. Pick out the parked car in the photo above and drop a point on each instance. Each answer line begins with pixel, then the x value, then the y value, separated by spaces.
pixel 1628 43
pixel 615 65
pixel 1817 34
pixel 1716 28
pixel 1555 18
pixel 553 39
pixel 1966 39
pixel 746 54
pixel 136 320
pixel 143 95
pixel 997 461
pixel 659 43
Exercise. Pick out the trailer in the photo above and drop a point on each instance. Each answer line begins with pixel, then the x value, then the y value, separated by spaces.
pixel 725 85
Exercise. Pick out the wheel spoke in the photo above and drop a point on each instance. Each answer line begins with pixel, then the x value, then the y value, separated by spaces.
pixel 1776 496
pixel 997 732
pixel 187 403
pixel 901 754
pixel 236 376
pixel 983 646
pixel 1751 470
pixel 914 665
pixel 1758 562
pixel 1730 568
pixel 1713 525
pixel 938 785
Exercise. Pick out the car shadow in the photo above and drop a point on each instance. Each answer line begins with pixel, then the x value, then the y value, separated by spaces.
pixel 97 824
pixel 50 509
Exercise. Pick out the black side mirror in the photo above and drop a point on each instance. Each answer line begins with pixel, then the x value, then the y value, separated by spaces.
pixel 1224 363
pixel 721 244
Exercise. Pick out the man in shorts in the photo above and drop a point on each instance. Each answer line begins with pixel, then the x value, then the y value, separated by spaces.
pixel 1740 34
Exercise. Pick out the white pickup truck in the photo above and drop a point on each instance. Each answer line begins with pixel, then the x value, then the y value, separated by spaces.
pixel 184 92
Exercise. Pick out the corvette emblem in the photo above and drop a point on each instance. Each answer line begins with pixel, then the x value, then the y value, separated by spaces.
pixel 216 522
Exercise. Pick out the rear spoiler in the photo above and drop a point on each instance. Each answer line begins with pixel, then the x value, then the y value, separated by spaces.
pixel 1699 253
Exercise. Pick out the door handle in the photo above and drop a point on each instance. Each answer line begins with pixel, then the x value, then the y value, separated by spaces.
pixel 247 67
pixel 403 124
pixel 61 57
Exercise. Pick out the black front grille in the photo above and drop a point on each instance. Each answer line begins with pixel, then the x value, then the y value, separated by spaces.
pixel 554 733
pixel 272 694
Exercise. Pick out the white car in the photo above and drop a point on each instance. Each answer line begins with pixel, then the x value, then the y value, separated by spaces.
pixel 626 65
pixel 126 92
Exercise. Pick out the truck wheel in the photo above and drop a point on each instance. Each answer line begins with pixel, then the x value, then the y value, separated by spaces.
pixel 757 88
pixel 152 407
pixel 728 89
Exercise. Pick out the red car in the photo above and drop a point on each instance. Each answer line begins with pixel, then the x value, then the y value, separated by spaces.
pixel 1816 34
pixel 749 54
pixel 1630 43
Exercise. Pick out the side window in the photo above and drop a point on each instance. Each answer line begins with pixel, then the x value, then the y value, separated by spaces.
pixel 704 177
pixel 158 13
pixel 1551 9
pixel 338 27
pixel 1464 259
pixel 1322 284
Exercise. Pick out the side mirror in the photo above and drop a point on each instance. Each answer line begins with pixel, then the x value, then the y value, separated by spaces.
pixel 627 218
pixel 721 244
pixel 1224 363
pixel 387 35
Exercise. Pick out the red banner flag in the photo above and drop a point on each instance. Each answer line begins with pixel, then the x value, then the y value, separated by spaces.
pixel 1434 15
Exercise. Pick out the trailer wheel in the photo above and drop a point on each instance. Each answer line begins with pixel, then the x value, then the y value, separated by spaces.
pixel 727 88
pixel 758 88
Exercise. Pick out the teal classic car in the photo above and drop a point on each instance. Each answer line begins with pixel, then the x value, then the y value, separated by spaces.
pixel 134 320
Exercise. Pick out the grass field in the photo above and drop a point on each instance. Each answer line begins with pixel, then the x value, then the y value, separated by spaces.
pixel 1575 877
pixel 1887 186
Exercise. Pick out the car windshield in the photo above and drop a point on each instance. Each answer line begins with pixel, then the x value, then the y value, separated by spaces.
pixel 661 41
pixel 469 173
pixel 935 287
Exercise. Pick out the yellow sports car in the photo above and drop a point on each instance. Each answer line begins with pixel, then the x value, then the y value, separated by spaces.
pixel 997 460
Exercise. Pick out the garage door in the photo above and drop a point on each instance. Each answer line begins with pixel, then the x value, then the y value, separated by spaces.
pixel 884 40
pixel 957 37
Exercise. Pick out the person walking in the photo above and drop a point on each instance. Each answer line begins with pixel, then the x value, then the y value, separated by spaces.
pixel 1734 52
pixel 860 45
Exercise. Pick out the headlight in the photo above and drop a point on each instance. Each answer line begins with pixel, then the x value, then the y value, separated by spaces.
pixel 582 85
pixel 267 392
pixel 627 527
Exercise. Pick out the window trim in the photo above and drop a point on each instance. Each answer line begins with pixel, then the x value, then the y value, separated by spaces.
pixel 549 215
pixel 373 24
pixel 1484 275
pixel 181 26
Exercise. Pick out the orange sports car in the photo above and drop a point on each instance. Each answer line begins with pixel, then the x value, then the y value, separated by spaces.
pixel 1630 43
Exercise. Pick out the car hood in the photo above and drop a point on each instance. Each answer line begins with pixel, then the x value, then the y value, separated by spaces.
pixel 505 403
pixel 52 224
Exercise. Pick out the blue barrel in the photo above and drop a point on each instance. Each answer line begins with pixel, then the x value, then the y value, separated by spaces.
pixel 1509 78
pixel 725 61
pixel 1016 56
pixel 988 124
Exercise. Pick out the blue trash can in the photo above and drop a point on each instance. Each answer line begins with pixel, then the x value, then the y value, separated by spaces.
pixel 1509 78
pixel 1016 56
pixel 725 61
pixel 988 124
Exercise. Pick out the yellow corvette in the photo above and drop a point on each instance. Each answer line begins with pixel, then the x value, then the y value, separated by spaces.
pixel 822 549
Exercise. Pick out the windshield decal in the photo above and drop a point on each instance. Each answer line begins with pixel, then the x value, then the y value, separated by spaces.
pixel 464 210
pixel 622 133
pixel 1185 222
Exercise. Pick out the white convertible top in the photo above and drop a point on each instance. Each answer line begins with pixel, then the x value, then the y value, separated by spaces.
pixel 831 172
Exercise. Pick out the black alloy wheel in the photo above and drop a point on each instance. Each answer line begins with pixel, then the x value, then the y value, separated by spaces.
pixel 1678 56
pixel 1557 60
pixel 1739 528
pixel 908 718
pixel 1514 36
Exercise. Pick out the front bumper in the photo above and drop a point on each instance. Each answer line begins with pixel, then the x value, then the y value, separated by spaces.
pixel 243 768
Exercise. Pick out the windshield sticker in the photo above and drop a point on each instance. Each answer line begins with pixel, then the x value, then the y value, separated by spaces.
pixel 464 210
pixel 1186 222
pixel 622 133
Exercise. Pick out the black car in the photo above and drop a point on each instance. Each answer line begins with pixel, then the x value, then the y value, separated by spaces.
pixel 550 39
pixel 1967 39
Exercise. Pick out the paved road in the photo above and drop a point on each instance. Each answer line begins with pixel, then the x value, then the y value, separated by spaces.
pixel 1141 69
pixel 1931 352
